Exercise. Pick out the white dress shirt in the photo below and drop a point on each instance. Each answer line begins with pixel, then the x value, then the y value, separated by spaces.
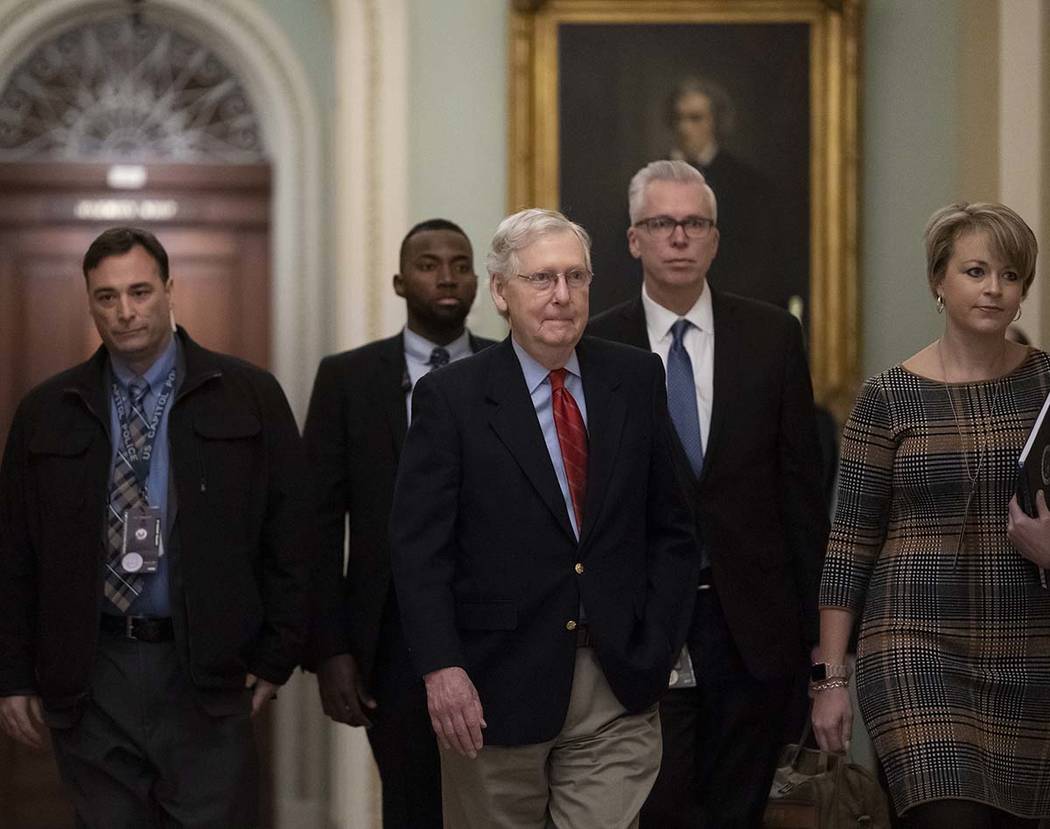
pixel 699 341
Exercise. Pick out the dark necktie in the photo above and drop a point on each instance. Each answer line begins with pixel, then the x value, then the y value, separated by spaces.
pixel 572 438
pixel 125 494
pixel 438 357
pixel 681 398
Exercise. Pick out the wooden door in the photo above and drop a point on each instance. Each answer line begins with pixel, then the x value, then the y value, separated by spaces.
pixel 214 223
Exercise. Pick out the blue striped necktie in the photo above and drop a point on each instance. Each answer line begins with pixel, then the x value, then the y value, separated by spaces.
pixel 681 398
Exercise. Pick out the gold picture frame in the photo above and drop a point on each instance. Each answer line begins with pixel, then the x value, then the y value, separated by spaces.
pixel 831 41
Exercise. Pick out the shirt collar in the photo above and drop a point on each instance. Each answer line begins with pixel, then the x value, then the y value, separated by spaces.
pixel 535 373
pixel 419 348
pixel 155 374
pixel 659 320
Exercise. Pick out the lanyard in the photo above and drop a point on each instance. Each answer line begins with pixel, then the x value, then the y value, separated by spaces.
pixel 140 461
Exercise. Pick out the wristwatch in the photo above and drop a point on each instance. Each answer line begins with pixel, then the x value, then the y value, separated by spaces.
pixel 823 671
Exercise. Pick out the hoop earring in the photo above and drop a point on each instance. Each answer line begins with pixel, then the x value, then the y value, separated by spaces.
pixel 940 304
pixel 1018 314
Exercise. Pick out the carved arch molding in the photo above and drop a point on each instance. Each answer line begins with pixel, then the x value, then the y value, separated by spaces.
pixel 123 89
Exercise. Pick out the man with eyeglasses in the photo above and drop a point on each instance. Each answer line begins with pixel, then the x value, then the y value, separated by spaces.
pixel 359 413
pixel 543 553
pixel 749 462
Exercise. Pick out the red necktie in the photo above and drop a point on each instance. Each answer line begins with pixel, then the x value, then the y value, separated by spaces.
pixel 572 438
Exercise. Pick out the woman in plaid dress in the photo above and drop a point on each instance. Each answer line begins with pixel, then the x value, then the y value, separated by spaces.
pixel 953 660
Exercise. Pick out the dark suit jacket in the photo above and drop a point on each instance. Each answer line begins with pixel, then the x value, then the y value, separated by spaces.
pixel 354 431
pixel 484 555
pixel 240 544
pixel 759 503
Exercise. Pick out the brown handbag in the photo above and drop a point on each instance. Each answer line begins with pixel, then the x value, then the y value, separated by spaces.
pixel 815 789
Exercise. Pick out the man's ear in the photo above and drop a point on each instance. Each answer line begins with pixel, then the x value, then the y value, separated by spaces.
pixel 399 285
pixel 496 287
pixel 632 243
pixel 171 302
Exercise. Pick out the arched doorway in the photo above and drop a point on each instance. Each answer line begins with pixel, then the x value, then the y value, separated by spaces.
pixel 219 223
pixel 123 121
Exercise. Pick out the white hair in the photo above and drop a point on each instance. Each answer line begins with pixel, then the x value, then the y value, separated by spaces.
pixel 518 231
pixel 680 171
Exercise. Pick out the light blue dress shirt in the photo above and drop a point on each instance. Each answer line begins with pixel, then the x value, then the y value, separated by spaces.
pixel 537 381
pixel 417 355
pixel 155 598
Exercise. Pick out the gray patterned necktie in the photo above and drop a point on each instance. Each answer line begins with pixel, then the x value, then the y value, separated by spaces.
pixel 125 495
pixel 438 357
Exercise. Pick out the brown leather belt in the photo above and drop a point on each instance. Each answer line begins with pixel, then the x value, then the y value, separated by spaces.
pixel 141 628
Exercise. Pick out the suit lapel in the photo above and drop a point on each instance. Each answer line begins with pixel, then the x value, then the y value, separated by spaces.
pixel 727 345
pixel 605 416
pixel 392 385
pixel 636 331
pixel 514 421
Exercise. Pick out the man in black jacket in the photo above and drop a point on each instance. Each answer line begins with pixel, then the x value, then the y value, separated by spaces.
pixel 750 463
pixel 543 556
pixel 358 417
pixel 153 565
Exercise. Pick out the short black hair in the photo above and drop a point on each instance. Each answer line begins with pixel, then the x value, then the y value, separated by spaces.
pixel 423 227
pixel 119 240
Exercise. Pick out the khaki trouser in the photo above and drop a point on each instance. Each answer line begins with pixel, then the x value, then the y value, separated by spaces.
pixel 595 774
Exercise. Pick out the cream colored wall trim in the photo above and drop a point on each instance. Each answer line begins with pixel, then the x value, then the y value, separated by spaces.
pixel 259 53
pixel 1022 143
pixel 371 165
pixel 370 159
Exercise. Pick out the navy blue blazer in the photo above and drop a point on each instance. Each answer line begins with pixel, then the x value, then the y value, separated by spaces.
pixel 484 557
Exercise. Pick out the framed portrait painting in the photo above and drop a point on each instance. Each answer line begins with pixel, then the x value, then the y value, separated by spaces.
pixel 759 95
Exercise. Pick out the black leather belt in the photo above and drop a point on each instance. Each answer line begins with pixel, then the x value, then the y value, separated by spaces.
pixel 583 636
pixel 141 628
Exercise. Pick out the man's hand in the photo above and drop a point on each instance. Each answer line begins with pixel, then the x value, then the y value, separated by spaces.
pixel 1031 536
pixel 455 711
pixel 832 719
pixel 22 719
pixel 343 693
pixel 262 692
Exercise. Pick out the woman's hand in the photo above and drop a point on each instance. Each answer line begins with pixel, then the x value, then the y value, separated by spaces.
pixel 1031 536
pixel 832 719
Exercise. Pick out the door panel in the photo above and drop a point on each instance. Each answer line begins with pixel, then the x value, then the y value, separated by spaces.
pixel 216 232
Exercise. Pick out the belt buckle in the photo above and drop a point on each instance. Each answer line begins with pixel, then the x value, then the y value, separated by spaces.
pixel 129 627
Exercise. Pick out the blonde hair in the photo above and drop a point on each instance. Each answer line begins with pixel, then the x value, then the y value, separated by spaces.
pixel 1012 238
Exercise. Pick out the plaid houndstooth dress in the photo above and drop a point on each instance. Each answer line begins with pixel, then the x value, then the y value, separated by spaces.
pixel 953 670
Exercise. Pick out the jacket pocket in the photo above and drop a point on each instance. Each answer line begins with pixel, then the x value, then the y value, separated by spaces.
pixel 57 460
pixel 486 616
pixel 234 426
pixel 227 449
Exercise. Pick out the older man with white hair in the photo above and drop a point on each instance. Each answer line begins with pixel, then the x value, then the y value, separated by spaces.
pixel 543 554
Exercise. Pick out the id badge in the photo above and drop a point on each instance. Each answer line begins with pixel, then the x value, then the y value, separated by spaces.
pixel 142 541
pixel 682 675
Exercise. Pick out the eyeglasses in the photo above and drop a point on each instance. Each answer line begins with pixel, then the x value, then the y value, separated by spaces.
pixel 663 227
pixel 546 280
